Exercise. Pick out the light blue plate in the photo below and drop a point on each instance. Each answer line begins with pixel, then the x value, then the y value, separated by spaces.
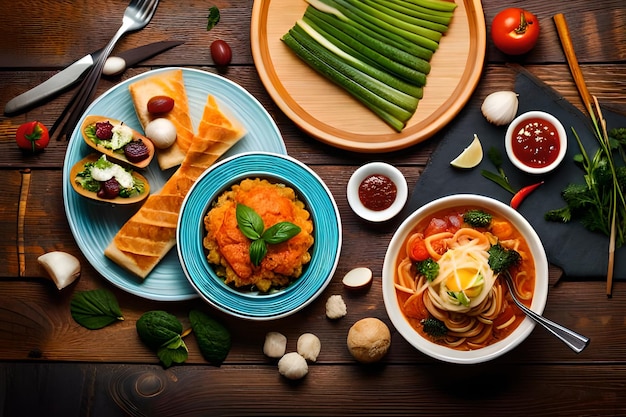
pixel 94 224
pixel 326 231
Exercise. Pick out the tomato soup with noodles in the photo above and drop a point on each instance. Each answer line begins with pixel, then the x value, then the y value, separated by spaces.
pixel 464 293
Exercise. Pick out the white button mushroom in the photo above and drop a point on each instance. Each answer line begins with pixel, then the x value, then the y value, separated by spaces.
pixel 335 307
pixel 309 346
pixel 293 366
pixel 275 345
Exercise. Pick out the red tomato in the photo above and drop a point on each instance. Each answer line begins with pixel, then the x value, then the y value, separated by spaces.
pixel 419 251
pixel 221 52
pixel 32 136
pixel 515 31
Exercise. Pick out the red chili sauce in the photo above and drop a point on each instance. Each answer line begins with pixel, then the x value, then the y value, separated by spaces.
pixel 377 192
pixel 536 142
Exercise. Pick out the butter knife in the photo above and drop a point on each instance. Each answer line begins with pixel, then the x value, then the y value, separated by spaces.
pixel 73 73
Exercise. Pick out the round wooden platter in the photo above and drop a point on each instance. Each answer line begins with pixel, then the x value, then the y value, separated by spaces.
pixel 329 114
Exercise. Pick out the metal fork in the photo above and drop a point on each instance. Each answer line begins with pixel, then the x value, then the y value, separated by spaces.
pixel 136 16
pixel 575 341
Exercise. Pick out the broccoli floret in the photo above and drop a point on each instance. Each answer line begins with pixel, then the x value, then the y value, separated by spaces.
pixel 477 218
pixel 501 259
pixel 561 215
pixel 428 267
pixel 434 327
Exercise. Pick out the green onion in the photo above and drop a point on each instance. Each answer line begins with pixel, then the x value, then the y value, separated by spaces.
pixel 392 11
pixel 396 20
pixel 438 5
pixel 378 51
pixel 395 40
pixel 419 12
pixel 369 99
pixel 402 91
pixel 385 56
pixel 354 13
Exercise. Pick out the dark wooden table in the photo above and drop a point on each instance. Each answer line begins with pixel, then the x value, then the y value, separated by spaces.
pixel 51 366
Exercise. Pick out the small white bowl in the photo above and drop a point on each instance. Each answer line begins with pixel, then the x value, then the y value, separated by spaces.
pixel 364 172
pixel 508 143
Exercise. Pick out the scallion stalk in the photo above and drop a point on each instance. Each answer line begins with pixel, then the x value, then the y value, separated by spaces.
pixel 408 67
pixel 376 104
pixel 401 87
pixel 395 40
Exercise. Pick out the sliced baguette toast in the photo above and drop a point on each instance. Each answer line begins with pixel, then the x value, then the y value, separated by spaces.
pixel 171 84
pixel 150 233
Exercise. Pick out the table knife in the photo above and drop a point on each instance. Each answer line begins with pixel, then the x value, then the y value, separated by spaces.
pixel 75 72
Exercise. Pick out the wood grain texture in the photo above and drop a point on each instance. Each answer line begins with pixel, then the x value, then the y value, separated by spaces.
pixel 51 366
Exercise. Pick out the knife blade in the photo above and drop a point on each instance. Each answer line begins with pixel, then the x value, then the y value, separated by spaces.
pixel 74 72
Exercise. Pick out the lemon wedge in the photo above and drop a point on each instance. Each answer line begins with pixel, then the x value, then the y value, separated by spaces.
pixel 471 156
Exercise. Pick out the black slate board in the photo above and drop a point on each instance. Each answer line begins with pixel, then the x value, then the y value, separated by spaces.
pixel 579 253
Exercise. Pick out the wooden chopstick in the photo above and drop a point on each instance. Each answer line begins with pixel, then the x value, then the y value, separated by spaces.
pixel 593 108
pixel 570 54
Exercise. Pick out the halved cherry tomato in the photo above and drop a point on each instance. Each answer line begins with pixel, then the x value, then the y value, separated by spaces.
pixel 515 31
pixel 32 136
pixel 418 251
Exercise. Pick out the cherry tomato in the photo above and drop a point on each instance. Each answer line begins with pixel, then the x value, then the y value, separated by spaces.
pixel 32 136
pixel 418 251
pixel 221 53
pixel 515 31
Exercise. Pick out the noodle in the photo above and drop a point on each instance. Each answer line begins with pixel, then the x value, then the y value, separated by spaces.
pixel 466 295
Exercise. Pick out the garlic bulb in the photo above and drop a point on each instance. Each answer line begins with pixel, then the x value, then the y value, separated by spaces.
pixel 500 107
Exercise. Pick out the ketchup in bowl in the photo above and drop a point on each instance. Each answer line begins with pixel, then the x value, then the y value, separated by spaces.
pixel 536 142
pixel 377 192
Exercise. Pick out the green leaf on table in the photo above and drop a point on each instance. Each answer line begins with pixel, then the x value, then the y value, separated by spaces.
pixel 95 309
pixel 213 338
pixel 213 18
pixel 157 328
pixel 174 351
pixel 162 332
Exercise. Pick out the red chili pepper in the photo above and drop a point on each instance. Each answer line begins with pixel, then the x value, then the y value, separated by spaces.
pixel 522 194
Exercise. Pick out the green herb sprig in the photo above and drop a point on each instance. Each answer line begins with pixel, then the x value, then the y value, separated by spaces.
pixel 252 226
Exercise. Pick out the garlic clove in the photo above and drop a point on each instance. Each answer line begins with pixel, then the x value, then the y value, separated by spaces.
pixel 62 267
pixel 500 107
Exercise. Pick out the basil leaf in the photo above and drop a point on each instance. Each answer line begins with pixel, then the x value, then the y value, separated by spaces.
pixel 213 338
pixel 213 18
pixel 280 232
pixel 173 352
pixel 158 328
pixel 95 309
pixel 249 222
pixel 258 250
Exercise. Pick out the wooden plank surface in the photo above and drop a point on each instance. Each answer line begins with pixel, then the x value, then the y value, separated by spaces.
pixel 51 366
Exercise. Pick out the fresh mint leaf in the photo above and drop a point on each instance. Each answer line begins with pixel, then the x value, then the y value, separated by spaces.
pixel 213 338
pixel 280 232
pixel 213 18
pixel 175 351
pixel 95 309
pixel 249 222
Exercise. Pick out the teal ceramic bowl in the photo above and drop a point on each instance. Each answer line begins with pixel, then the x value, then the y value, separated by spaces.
pixel 324 252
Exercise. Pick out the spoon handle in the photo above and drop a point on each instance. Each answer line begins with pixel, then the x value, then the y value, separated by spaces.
pixel 575 341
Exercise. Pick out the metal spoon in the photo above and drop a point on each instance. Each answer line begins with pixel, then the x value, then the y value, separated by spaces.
pixel 572 339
